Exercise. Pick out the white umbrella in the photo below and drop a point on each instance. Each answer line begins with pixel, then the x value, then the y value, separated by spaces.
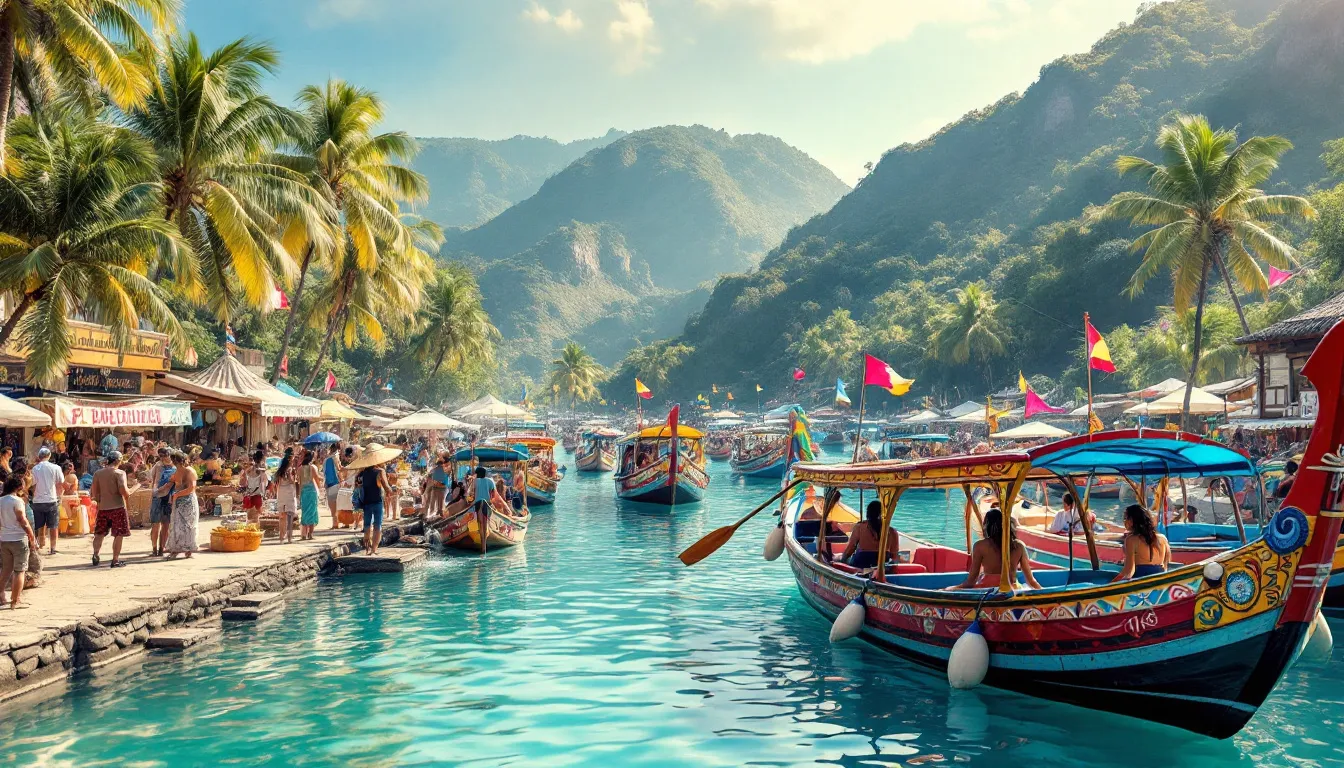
pixel 429 419
pixel 16 414
pixel 495 409
pixel 1201 403
pixel 1032 430
pixel 923 417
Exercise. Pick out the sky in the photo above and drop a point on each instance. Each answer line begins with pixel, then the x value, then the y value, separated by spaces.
pixel 843 80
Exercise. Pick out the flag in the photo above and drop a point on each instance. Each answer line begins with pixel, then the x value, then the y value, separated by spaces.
pixel 284 365
pixel 388 386
pixel 673 449
pixel 801 430
pixel 524 391
pixel 1022 385
pixel 799 374
pixel 701 399
pixel 642 390
pixel 1098 354
pixel 841 397
pixel 1094 423
pixel 992 415
pixel 759 389
pixel 602 401
pixel 274 299
pixel 878 374
pixel 1036 405
pixel 714 388
pixel 1278 277
pixel 331 381
pixel 730 397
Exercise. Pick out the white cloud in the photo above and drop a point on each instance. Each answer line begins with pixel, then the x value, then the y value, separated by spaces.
pixel 818 31
pixel 633 31
pixel 566 21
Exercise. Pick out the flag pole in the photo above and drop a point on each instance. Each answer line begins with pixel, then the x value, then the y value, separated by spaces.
pixel 1087 363
pixel 863 396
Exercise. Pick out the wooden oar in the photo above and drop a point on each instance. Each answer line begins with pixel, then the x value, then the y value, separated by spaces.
pixel 716 538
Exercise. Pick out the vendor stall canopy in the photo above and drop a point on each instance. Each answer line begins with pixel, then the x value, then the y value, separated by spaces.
pixel 17 415
pixel 429 420
pixel 228 381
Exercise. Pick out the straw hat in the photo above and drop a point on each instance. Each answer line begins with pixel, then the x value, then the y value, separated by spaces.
pixel 373 457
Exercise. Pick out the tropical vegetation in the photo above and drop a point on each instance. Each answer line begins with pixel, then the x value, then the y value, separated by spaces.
pixel 575 375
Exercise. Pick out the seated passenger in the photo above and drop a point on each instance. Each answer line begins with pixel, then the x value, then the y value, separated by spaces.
pixel 987 556
pixel 1146 551
pixel 861 551
pixel 1069 518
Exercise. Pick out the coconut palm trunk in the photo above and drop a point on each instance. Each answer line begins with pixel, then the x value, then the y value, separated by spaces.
pixel 19 311
pixel 6 73
pixel 1198 342
pixel 337 316
pixel 293 310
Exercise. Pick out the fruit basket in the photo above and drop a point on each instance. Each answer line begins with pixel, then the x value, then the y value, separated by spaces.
pixel 227 538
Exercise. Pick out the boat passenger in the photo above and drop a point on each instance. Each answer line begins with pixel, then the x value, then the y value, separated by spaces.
pixel 1146 551
pixel 864 539
pixel 987 558
pixel 1286 482
pixel 1070 518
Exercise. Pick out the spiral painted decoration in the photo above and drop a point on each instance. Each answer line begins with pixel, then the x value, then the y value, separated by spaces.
pixel 1287 532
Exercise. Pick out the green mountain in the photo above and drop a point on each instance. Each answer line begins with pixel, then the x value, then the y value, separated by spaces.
pixel 999 196
pixel 691 202
pixel 612 250
pixel 474 180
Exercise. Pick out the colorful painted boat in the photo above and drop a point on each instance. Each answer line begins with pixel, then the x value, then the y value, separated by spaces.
pixel 1198 647
pixel 543 475
pixel 1102 487
pixel 597 451
pixel 761 452
pixel 463 525
pixel 719 447
pixel 662 465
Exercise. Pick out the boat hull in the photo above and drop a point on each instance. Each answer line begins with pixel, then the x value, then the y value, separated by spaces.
pixel 771 465
pixel 651 484
pixel 540 489
pixel 476 531
pixel 596 461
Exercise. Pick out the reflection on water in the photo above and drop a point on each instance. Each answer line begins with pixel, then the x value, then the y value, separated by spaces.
pixel 592 645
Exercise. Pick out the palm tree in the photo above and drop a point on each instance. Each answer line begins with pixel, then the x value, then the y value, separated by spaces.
pixel 356 171
pixel 1208 213
pixel 456 326
pixel 211 126
pixel 78 43
pixel 576 374
pixel 654 363
pixel 970 330
pixel 80 225
pixel 1165 347
pixel 831 347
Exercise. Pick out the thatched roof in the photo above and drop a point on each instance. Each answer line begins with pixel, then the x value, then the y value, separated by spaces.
pixel 1310 324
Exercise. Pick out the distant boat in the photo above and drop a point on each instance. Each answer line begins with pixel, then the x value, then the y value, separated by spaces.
pixel 662 465
pixel 543 475
pixel 597 450
pixel 761 452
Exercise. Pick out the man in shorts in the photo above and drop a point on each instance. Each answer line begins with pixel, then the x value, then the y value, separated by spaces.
pixel 47 482
pixel 160 507
pixel 110 494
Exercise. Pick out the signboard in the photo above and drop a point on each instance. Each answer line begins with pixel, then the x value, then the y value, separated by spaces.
pixel 82 379
pixel 14 381
pixel 100 415
pixel 93 346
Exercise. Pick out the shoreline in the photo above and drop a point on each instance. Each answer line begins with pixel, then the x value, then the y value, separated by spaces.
pixel 83 618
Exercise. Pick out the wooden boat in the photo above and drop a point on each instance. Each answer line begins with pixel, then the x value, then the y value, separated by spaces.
pixel 543 475
pixel 761 452
pixel 1198 647
pixel 897 445
pixel 463 526
pixel 662 465
pixel 719 446
pixel 597 452
pixel 1102 487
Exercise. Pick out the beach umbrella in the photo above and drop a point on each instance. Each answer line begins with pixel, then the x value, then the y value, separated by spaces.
pixel 321 438
pixel 374 457
pixel 1032 430
pixel 1201 403
pixel 428 419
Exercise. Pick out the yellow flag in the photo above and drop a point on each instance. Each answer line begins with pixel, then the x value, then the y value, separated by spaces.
pixel 1021 383
pixel 1094 424
pixel 714 388
pixel 759 388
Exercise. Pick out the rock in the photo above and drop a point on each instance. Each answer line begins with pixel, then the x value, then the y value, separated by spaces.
pixel 92 640
pixel 47 653
pixel 158 620
pixel 68 641
pixel 123 639
pixel 139 621
pixel 8 673
pixel 141 635
pixel 10 642
pixel 122 616
pixel 23 654
pixel 26 668
pixel 179 612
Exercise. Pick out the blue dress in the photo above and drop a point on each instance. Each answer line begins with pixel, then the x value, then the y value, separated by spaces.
pixel 308 504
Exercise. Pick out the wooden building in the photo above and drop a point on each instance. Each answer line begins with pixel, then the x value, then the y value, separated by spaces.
pixel 1284 392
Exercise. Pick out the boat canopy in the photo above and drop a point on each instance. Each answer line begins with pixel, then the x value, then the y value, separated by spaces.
pixel 533 441
pixel 1131 453
pixel 665 432
pixel 491 453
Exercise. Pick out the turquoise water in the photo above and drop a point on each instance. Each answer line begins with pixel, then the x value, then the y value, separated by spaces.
pixel 592 645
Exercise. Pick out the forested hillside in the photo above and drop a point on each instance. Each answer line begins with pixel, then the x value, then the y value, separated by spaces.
pixel 997 200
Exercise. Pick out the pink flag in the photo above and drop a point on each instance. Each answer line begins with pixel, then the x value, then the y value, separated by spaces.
pixel 1278 277
pixel 330 383
pixel 1036 405
pixel 798 374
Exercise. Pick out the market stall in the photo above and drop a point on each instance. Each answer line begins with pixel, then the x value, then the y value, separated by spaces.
pixel 258 409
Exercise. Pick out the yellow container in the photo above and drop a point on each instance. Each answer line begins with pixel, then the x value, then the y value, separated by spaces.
pixel 222 540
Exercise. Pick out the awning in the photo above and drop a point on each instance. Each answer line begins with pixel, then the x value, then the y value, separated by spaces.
pixel 492 407
pixel 1264 425
pixel 923 417
pixel 1032 430
pixel 1201 402
pixel 229 382
pixel 16 414
pixel 111 414
pixel 336 411
pixel 431 420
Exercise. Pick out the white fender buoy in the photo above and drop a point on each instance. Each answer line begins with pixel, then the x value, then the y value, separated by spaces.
pixel 774 543
pixel 969 660
pixel 1320 642
pixel 850 621
pixel 1213 572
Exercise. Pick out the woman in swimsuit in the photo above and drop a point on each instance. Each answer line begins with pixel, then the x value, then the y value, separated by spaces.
pixel 987 558
pixel 861 551
pixel 1146 551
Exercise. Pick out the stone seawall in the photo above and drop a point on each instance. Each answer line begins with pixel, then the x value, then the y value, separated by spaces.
pixel 30 660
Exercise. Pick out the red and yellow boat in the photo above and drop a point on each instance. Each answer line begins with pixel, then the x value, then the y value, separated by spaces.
pixel 543 474
pixel 466 525
pixel 662 465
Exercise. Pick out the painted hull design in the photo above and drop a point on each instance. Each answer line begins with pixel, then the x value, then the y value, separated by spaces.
pixel 540 489
pixel 481 531
pixel 651 484
pixel 602 460
pixel 768 465
pixel 719 452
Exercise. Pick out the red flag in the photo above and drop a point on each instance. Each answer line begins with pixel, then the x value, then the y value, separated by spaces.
pixel 878 374
pixel 1036 405
pixel 673 451
pixel 331 382
pixel 284 365
pixel 1278 277
pixel 799 374
pixel 1098 354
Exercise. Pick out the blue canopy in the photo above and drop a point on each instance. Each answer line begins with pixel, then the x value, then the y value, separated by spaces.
pixel 322 438
pixel 1134 453
pixel 492 453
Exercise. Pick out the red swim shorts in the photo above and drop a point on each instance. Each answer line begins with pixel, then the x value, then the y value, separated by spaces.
pixel 115 521
pixel 252 502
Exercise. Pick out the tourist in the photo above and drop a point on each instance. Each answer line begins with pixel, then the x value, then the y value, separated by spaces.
pixel 372 484
pixel 392 504
pixel 286 488
pixel 987 556
pixel 255 479
pixel 186 510
pixel 47 482
pixel 1146 551
pixel 436 488
pixel 308 494
pixel 16 541
pixel 331 476
pixel 6 454
pixel 71 479
pixel 1069 519
pixel 108 490
pixel 109 445
pixel 865 539
pixel 1286 482
pixel 160 506
pixel 483 491
pixel 456 493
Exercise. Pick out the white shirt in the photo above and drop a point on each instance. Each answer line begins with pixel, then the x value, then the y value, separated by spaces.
pixel 11 509
pixel 1065 519
pixel 47 478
